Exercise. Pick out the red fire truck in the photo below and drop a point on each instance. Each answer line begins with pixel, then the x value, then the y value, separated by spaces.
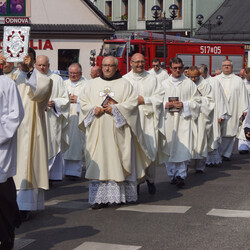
pixel 191 51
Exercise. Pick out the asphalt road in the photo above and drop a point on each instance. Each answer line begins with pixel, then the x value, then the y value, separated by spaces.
pixel 211 212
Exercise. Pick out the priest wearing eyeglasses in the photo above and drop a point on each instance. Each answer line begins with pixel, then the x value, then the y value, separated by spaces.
pixel 115 153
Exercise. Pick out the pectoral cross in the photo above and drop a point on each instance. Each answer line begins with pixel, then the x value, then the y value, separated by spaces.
pixel 107 91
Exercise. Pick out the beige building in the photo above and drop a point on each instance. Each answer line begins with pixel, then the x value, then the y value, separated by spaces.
pixel 66 31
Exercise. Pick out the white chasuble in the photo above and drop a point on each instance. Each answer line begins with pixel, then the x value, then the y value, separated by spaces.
pixel 238 100
pixel 76 136
pixel 32 156
pixel 204 121
pixel 108 148
pixel 11 115
pixel 151 113
pixel 57 118
pixel 181 130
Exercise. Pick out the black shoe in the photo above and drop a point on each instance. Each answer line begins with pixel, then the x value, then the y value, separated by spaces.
pixel 179 181
pixel 173 181
pixel 73 178
pixel 138 189
pixel 211 165
pixel 151 187
pixel 243 152
pixel 99 206
pixel 8 244
pixel 25 215
pixel 198 171
pixel 224 158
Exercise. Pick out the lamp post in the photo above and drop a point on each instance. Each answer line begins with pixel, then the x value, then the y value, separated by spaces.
pixel 156 11
pixel 209 26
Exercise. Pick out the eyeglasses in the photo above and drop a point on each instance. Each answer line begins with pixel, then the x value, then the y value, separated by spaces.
pixel 227 65
pixel 108 65
pixel 156 65
pixel 175 68
pixel 138 62
pixel 193 77
pixel 74 73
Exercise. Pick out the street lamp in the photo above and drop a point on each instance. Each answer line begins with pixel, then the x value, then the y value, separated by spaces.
pixel 209 26
pixel 156 11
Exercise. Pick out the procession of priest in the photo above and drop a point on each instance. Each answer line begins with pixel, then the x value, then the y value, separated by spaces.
pixel 115 129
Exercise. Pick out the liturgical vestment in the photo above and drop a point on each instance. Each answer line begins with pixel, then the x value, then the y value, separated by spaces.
pixel 238 100
pixel 11 115
pixel 110 149
pixel 75 153
pixel 32 156
pixel 57 119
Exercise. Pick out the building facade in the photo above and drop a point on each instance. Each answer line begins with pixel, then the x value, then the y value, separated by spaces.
pixel 65 31
pixel 135 13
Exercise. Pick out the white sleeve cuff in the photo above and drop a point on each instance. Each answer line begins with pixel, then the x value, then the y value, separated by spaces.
pixel 57 110
pixel 118 118
pixel 186 110
pixel 89 119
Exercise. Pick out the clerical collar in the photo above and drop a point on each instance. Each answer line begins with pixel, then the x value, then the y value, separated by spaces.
pixel 116 76
pixel 139 75
pixel 226 76
pixel 176 81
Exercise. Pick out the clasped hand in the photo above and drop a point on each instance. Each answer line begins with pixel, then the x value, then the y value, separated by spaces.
pixel 100 111
pixel 174 104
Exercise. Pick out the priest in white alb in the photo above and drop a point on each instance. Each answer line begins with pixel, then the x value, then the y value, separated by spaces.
pixel 115 153
pixel 157 71
pixel 238 101
pixel 11 116
pixel 244 144
pixel 204 121
pixel 57 118
pixel 74 156
pixel 221 113
pixel 182 107
pixel 150 96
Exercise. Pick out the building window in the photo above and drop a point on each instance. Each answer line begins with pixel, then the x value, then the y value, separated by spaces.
pixel 141 10
pixel 12 7
pixel 179 4
pixel 67 57
pixel 124 10
pixel 108 10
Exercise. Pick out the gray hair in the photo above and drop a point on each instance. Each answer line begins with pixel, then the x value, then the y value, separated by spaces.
pixel 76 64
pixel 203 68
pixel 228 60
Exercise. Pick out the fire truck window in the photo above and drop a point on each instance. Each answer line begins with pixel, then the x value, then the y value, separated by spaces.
pixel 159 51
pixel 143 50
pixel 67 57
pixel 200 59
pixel 187 59
pixel 134 48
pixel 216 63
pixel 237 63
pixel 113 49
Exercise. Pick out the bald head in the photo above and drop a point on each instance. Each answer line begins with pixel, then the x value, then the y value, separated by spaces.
pixel 95 72
pixel 42 64
pixel 137 63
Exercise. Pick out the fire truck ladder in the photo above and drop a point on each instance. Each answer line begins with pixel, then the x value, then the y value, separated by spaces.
pixel 151 35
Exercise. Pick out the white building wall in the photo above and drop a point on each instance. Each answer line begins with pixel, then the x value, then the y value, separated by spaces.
pixel 62 12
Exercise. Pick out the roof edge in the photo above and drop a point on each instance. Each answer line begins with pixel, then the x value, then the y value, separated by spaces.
pixel 99 13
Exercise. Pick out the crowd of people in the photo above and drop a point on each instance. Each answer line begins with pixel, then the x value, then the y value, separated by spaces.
pixel 117 128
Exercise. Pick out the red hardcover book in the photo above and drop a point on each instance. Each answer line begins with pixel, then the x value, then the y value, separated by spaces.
pixel 108 101
pixel 173 99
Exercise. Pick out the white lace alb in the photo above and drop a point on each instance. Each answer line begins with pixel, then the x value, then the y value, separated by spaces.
pixel 112 192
